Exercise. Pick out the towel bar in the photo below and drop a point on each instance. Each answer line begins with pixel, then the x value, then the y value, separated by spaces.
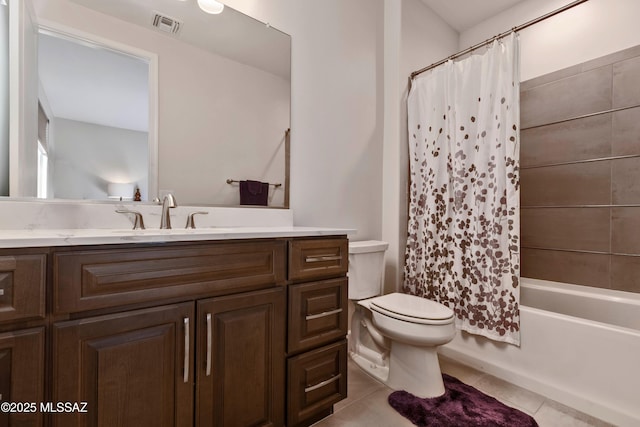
pixel 231 181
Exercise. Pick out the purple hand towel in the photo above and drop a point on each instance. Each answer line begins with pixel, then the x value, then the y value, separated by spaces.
pixel 254 193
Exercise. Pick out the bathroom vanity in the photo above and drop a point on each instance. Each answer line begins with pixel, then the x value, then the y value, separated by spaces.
pixel 220 330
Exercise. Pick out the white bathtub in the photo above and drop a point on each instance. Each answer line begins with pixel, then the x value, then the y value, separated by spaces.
pixel 579 346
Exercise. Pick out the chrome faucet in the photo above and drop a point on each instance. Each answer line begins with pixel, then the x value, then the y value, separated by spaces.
pixel 167 202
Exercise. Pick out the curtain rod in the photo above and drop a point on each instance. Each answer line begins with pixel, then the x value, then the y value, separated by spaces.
pixel 499 36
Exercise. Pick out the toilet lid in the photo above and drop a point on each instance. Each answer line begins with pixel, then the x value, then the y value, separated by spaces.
pixel 411 308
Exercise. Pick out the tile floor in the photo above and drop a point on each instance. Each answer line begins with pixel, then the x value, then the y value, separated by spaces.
pixel 367 402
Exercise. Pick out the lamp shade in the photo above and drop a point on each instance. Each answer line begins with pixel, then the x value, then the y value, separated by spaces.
pixel 116 190
pixel 211 6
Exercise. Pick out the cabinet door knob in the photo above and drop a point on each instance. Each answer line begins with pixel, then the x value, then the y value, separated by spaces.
pixel 209 338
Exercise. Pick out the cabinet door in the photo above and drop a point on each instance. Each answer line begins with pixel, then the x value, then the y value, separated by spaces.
pixel 132 369
pixel 22 375
pixel 240 364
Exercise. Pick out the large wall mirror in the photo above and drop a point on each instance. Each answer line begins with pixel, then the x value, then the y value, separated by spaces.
pixel 155 95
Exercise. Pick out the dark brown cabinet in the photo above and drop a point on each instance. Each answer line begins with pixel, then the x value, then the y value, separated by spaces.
pixel 317 326
pixel 22 376
pixel 23 275
pixel 240 367
pixel 22 285
pixel 218 333
pixel 213 358
pixel 98 278
pixel 131 369
pixel 318 313
pixel 317 380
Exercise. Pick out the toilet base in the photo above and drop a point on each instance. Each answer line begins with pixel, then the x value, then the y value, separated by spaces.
pixel 409 368
pixel 415 369
pixel 379 372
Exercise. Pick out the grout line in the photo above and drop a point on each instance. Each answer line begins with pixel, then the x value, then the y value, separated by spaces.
pixel 582 116
pixel 540 407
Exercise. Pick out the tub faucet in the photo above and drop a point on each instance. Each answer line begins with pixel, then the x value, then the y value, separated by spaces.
pixel 167 202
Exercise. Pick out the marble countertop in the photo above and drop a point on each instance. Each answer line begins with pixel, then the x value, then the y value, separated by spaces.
pixel 73 237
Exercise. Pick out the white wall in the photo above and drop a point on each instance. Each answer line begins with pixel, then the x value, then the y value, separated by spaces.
pixel 88 157
pixel 202 138
pixel 584 32
pixel 336 108
pixel 414 37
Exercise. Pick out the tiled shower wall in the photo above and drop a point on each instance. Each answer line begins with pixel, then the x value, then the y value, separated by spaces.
pixel 580 173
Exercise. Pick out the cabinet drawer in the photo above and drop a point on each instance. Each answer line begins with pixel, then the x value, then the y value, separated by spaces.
pixel 317 313
pixel 101 278
pixel 317 380
pixel 318 258
pixel 22 286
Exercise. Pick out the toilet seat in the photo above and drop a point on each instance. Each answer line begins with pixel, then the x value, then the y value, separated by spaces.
pixel 410 308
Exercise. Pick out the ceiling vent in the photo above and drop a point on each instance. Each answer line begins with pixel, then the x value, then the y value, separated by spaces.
pixel 166 24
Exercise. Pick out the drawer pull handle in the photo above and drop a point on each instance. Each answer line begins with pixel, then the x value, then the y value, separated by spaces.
pixel 322 258
pixel 323 383
pixel 186 350
pixel 209 344
pixel 325 314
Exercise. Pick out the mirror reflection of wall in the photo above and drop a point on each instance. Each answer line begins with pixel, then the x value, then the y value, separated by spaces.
pixel 222 102
pixel 96 101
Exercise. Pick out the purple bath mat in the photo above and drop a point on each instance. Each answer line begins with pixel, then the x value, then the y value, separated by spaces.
pixel 461 406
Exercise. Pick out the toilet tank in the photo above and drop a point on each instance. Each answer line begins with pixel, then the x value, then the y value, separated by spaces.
pixel 366 268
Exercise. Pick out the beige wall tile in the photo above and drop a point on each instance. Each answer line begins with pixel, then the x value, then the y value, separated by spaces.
pixel 626 83
pixel 625 230
pixel 583 139
pixel 584 229
pixel 568 267
pixel 625 134
pixel 625 273
pixel 625 177
pixel 567 185
pixel 566 98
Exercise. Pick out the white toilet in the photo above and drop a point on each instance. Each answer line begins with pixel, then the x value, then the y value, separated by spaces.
pixel 394 337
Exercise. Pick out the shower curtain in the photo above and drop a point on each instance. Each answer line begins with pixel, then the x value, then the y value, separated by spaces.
pixel 464 204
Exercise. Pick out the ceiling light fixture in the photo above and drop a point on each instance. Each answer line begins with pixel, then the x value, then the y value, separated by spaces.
pixel 211 6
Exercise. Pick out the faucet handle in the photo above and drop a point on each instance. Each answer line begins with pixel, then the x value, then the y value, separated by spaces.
pixel 190 221
pixel 138 223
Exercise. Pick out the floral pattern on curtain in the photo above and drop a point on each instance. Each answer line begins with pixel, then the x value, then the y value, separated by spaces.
pixel 463 246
